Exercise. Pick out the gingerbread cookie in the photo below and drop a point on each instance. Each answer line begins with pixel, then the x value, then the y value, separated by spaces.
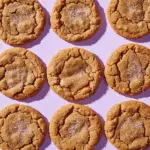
pixel 22 74
pixel 127 125
pixel 21 128
pixel 20 21
pixel 75 20
pixel 75 127
pixel 128 69
pixel 130 18
pixel 74 73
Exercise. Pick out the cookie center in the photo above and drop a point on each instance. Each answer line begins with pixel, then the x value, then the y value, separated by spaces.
pixel 75 127
pixel 131 70
pixel 16 131
pixel 134 70
pixel 75 17
pixel 16 76
pixel 131 129
pixel 21 127
pixel 73 75
pixel 131 9
pixel 19 18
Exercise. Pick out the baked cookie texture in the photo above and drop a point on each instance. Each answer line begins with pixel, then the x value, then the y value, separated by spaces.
pixel 75 20
pixel 22 74
pixel 127 125
pixel 130 18
pixel 75 127
pixel 21 127
pixel 74 73
pixel 20 21
pixel 128 69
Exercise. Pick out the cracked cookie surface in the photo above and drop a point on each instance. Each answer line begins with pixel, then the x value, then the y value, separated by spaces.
pixel 22 74
pixel 75 127
pixel 130 18
pixel 127 125
pixel 20 21
pixel 128 69
pixel 74 73
pixel 75 20
pixel 21 128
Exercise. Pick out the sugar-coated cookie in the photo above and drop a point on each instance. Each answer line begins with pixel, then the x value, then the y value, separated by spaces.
pixel 74 73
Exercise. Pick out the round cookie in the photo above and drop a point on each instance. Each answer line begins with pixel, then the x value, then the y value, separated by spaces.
pixel 21 127
pixel 22 74
pixel 127 125
pixel 129 18
pixel 21 21
pixel 74 73
pixel 75 127
pixel 128 69
pixel 75 20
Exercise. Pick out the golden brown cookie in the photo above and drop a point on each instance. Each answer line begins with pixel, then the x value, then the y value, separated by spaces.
pixel 75 20
pixel 130 18
pixel 128 69
pixel 128 125
pixel 20 21
pixel 21 128
pixel 22 74
pixel 75 127
pixel 74 73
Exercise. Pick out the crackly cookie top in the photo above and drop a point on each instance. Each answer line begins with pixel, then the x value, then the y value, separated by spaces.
pixel 75 20
pixel 22 74
pixel 128 69
pixel 74 73
pixel 20 20
pixel 21 128
pixel 130 18
pixel 127 125
pixel 75 127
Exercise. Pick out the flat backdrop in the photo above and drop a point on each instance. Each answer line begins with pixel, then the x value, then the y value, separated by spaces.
pixel 102 44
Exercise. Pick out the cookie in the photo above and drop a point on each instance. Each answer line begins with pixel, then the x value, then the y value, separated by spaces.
pixel 75 20
pixel 75 127
pixel 21 21
pixel 21 127
pixel 74 73
pixel 127 125
pixel 22 74
pixel 129 18
pixel 128 69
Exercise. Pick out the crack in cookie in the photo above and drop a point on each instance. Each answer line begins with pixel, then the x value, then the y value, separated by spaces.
pixel 22 74
pixel 130 18
pixel 75 20
pixel 21 128
pixel 127 125
pixel 75 127
pixel 128 69
pixel 20 21
pixel 74 73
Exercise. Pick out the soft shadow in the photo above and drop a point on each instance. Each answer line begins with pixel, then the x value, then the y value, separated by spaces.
pixel 41 94
pixel 47 140
pixel 145 94
pixel 143 39
pixel 103 141
pixel 99 33
pixel 100 92
pixel 43 34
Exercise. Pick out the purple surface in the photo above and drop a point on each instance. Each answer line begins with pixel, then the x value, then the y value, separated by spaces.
pixel 102 44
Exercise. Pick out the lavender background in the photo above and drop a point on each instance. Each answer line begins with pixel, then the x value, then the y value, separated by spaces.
pixel 102 44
